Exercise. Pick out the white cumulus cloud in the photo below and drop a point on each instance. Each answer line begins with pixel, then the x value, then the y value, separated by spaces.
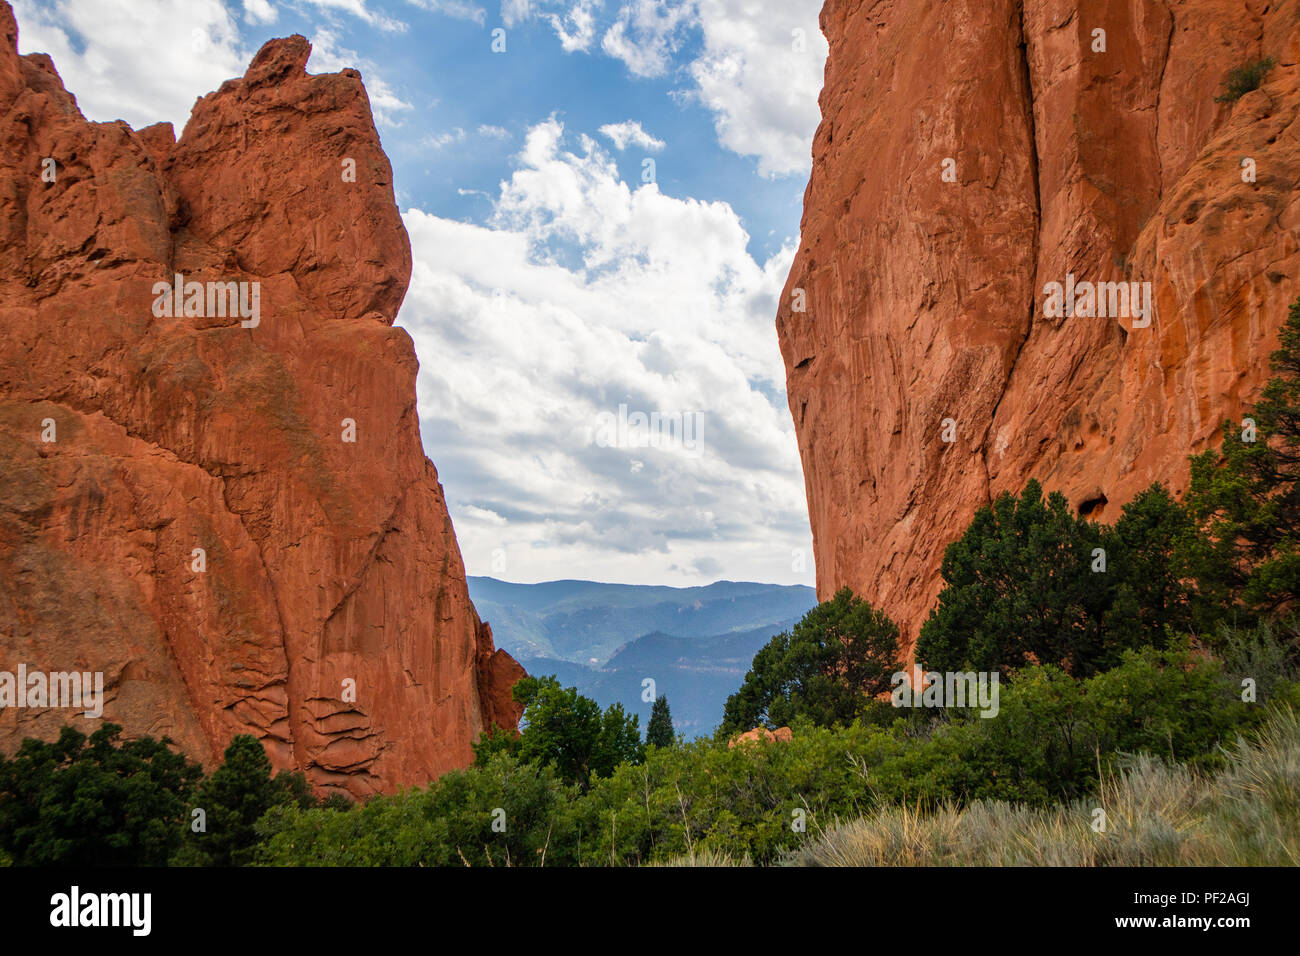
pixel 445 138
pixel 630 133
pixel 515 12
pixel 193 47
pixel 760 77
pixel 647 33
pixel 576 29
pixel 259 11
pixel 581 301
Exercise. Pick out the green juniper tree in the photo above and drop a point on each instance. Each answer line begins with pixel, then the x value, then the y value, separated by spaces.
pixel 1018 583
pixel 1247 498
pixel 828 668
pixel 1151 576
pixel 659 731
pixel 1032 580
pixel 232 801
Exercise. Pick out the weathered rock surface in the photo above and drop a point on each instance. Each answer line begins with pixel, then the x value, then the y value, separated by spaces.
pixel 761 733
pixel 924 297
pixel 329 563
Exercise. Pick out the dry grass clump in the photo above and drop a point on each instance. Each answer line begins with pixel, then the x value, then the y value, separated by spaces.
pixel 1155 814
pixel 706 857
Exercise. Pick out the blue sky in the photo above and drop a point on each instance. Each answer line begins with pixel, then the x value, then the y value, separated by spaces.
pixel 473 87
pixel 556 291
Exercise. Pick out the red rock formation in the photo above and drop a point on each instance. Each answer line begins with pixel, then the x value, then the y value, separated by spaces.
pixel 329 563
pixel 924 297
pixel 761 733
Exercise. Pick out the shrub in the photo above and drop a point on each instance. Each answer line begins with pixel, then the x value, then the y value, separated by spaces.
pixel 504 813
pixel 566 730
pixel 1243 79
pixel 1268 654
pixel 828 668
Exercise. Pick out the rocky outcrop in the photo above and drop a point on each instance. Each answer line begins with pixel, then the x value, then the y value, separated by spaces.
pixel 222 502
pixel 970 153
pixel 781 734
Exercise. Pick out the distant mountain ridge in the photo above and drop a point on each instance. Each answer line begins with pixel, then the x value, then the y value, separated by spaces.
pixel 580 620
pixel 696 644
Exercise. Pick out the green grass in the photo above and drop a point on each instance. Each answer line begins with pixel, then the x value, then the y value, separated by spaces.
pixel 1156 814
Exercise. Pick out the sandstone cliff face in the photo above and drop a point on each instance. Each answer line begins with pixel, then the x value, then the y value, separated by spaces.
pixel 924 297
pixel 328 563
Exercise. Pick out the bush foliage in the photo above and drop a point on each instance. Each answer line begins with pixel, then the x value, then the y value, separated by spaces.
pixel 1244 79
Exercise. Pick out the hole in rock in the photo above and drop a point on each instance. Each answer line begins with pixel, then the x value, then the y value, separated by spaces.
pixel 1093 504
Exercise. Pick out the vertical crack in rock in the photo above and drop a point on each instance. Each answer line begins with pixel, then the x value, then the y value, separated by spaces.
pixel 1160 84
pixel 1027 83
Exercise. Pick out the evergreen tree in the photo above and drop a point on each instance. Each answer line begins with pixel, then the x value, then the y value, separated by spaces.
pixel 1247 498
pixel 232 801
pixel 1031 580
pixel 1019 583
pixel 828 668
pixel 659 731
pixel 619 741
pixel 1151 576
pixel 94 802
